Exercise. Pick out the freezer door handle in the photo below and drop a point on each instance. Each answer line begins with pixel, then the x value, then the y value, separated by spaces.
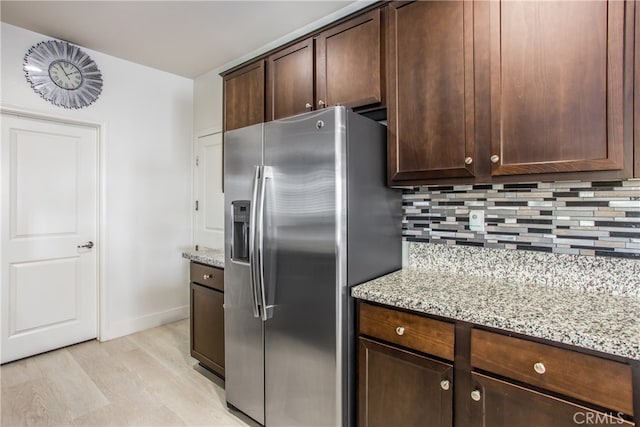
pixel 266 174
pixel 252 241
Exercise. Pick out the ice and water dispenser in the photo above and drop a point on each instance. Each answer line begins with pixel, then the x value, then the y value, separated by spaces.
pixel 240 246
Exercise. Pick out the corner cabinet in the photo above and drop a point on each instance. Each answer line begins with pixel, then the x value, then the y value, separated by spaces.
pixel 398 385
pixel 207 316
pixel 244 96
pixel 407 376
pixel 558 90
pixel 430 86
pixel 343 65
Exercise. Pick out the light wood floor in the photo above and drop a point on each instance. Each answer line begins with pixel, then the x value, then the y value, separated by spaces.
pixel 144 379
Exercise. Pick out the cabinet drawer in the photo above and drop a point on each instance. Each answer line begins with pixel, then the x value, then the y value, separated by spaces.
pixel 409 330
pixel 206 275
pixel 589 378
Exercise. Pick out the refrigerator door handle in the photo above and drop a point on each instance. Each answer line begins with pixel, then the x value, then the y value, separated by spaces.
pixel 253 211
pixel 266 174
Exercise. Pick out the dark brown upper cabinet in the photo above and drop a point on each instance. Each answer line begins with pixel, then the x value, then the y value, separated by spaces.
pixel 636 109
pixel 430 90
pixel 290 81
pixel 558 97
pixel 244 96
pixel 343 65
pixel 350 63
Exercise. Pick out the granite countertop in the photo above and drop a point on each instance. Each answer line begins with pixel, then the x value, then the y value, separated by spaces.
pixel 595 320
pixel 212 257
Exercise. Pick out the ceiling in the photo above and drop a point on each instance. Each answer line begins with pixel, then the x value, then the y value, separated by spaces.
pixel 187 38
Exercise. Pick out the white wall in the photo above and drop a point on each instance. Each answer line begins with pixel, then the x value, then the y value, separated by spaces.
pixel 207 103
pixel 147 121
pixel 208 227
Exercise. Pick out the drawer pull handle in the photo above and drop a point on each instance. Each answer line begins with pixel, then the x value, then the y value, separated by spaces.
pixel 207 276
pixel 475 395
pixel 495 159
pixel 539 368
pixel 400 330
pixel 468 160
pixel 444 384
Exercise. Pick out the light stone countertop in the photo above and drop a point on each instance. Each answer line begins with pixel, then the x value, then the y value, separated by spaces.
pixel 599 321
pixel 212 257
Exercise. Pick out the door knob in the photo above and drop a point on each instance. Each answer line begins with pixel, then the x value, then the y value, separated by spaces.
pixel 308 106
pixel 87 245
pixel 320 103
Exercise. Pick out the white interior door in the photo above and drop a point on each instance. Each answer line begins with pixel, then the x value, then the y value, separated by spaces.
pixel 49 211
pixel 209 218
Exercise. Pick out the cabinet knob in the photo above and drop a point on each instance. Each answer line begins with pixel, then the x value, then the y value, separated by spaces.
pixel 539 368
pixel 444 384
pixel 468 160
pixel 320 103
pixel 308 106
pixel 207 276
pixel 495 159
pixel 400 330
pixel 475 395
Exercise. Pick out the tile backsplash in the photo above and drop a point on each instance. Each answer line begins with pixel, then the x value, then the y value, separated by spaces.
pixel 580 218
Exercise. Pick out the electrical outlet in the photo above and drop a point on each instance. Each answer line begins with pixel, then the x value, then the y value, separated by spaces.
pixel 476 220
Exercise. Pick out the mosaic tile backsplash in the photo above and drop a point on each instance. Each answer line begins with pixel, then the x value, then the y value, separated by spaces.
pixel 579 218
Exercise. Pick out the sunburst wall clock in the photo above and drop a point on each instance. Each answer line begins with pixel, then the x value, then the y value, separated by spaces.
pixel 63 74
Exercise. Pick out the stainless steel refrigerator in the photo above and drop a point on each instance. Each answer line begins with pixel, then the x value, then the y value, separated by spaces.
pixel 308 216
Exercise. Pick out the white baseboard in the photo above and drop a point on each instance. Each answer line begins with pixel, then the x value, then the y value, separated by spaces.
pixel 131 326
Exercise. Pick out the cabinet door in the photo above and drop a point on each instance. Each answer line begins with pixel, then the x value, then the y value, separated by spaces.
pixel 207 327
pixel 430 90
pixel 399 388
pixel 244 97
pixel 350 63
pixel 290 81
pixel 636 108
pixel 557 101
pixel 500 404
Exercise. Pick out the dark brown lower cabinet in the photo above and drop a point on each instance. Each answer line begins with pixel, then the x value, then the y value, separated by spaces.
pixel 500 380
pixel 400 388
pixel 207 326
pixel 497 403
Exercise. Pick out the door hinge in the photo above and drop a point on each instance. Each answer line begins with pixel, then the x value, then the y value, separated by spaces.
pixel 197 160
pixel 197 205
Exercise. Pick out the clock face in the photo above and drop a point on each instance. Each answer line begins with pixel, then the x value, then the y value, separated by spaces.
pixel 63 74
